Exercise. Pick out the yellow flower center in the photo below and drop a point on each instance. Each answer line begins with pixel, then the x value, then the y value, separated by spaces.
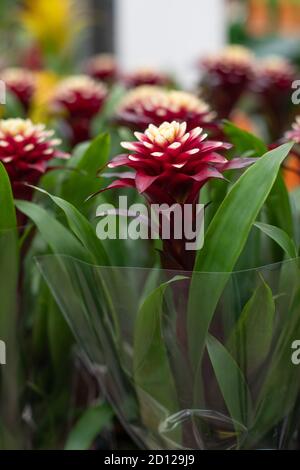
pixel 156 97
pixel 275 64
pixel 168 132
pixel 22 127
pixel 79 83
pixel 17 75
pixel 231 55
pixel 181 99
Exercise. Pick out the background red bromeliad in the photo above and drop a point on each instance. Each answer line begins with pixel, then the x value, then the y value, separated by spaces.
pixel 226 77
pixel 21 83
pixel 79 99
pixel 102 67
pixel 25 150
pixel 147 105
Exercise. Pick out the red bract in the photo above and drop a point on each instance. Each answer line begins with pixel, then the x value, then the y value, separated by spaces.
pixel 102 67
pixel 147 105
pixel 25 150
pixel 171 165
pixel 145 76
pixel 226 76
pixel 274 75
pixel 21 83
pixel 79 99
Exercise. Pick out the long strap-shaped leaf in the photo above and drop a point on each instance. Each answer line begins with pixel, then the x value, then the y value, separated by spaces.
pixel 58 237
pixel 224 242
pixel 9 272
pixel 280 237
pixel 278 204
pixel 152 371
pixel 83 181
pixel 82 228
pixel 232 383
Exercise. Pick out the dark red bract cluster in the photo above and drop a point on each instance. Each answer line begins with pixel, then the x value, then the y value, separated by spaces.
pixel 102 67
pixel 145 76
pixel 225 78
pixel 78 100
pixel 171 165
pixel 21 83
pixel 25 150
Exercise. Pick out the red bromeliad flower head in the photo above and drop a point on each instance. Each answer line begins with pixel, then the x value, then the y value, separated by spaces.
pixel 145 76
pixel 21 83
pixel 79 96
pixel 25 150
pixel 147 105
pixel 226 76
pixel 170 165
pixel 79 99
pixel 233 65
pixel 102 67
pixel 274 80
pixel 274 75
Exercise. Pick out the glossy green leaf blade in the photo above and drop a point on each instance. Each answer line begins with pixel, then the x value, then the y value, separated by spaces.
pixel 279 207
pixel 60 239
pixel 224 242
pixel 244 142
pixel 279 393
pixel 251 340
pixel 83 230
pixel 87 428
pixel 280 237
pixel 231 382
pixel 152 371
pixel 8 220
pixel 295 203
pixel 13 107
pixel 83 181
pixel 9 274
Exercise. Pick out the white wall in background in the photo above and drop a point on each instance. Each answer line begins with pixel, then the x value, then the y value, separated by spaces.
pixel 168 34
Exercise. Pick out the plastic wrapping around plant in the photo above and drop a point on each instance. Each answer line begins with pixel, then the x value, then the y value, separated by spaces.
pixel 189 361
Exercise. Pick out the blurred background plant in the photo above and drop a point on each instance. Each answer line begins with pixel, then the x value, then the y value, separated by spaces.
pixel 266 26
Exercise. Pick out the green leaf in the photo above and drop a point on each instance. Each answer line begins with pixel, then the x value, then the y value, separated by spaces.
pixel 252 337
pixel 231 382
pixel 83 230
pixel 279 207
pixel 104 118
pixel 83 181
pixel 8 220
pixel 295 203
pixel 152 371
pixel 280 237
pixel 60 338
pixel 224 242
pixel 244 142
pixel 78 154
pixel 280 390
pixel 9 275
pixel 87 428
pixel 60 240
pixel 13 107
